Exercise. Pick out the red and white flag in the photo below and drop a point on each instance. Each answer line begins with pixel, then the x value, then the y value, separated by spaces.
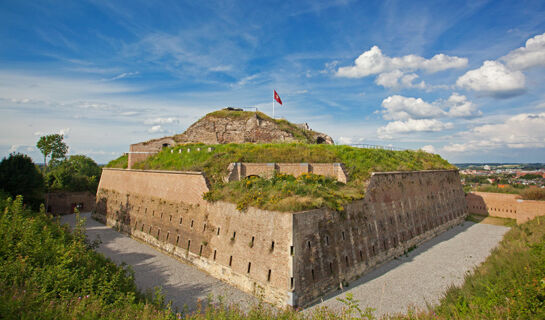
pixel 277 97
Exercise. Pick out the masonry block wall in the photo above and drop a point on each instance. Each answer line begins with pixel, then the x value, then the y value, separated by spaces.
pixel 241 170
pixel 286 258
pixel 64 202
pixel 504 205
pixel 399 211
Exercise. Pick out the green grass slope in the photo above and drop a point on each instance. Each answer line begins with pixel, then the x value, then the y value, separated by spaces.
pixel 286 193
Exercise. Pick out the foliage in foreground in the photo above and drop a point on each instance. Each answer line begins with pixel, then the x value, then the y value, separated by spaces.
pixel 359 163
pixel 47 272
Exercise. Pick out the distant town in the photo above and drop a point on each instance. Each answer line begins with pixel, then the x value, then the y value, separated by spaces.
pixel 502 177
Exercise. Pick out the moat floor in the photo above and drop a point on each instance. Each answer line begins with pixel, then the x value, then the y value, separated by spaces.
pixel 413 280
pixel 181 283
pixel 423 275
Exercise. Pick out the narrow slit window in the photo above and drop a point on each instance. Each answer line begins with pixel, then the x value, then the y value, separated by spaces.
pixel 308 244
pixel 204 228
pixel 191 223
pixel 272 246
pixel 344 238
pixel 168 235
pixel 142 228
pixel 230 261
pixel 177 239
pixel 326 240
pixel 149 231
pixel 291 250
pixel 331 267
pixel 312 272
pixel 215 255
pixel 188 244
pixel 269 276
pixel 234 235
pixel 200 251
pixel 180 220
pixel 291 282
pixel 170 218
pixel 252 242
pixel 158 233
pixel 249 266
pixel 346 259
pixel 218 233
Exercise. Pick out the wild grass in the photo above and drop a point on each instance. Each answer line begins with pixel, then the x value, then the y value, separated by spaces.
pixel 510 284
pixel 359 163
pixel 121 162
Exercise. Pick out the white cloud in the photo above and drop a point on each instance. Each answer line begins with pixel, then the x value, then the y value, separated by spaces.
pixel 494 79
pixel 124 75
pixel 156 129
pixel 520 131
pixel 503 78
pixel 531 55
pixel 14 148
pixel 404 108
pixel 411 125
pixel 460 107
pixel 428 148
pixel 345 140
pixel 374 62
pixel 397 79
pixel 64 132
pixel 169 120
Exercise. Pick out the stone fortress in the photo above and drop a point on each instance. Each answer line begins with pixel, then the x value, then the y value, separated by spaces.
pixel 286 258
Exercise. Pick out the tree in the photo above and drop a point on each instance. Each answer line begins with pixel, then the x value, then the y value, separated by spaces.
pixel 53 146
pixel 19 176
pixel 77 173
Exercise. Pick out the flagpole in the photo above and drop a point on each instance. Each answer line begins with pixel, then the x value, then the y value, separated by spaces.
pixel 273 104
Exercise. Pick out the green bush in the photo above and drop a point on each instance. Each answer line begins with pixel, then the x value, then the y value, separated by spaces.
pixel 48 272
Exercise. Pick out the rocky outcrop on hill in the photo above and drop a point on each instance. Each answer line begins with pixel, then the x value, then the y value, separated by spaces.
pixel 234 126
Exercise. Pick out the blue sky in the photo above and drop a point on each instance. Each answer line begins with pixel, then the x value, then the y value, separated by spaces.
pixel 461 79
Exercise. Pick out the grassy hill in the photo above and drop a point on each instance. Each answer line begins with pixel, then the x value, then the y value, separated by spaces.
pixel 282 192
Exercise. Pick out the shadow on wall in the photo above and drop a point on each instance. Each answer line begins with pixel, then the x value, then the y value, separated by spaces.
pixel 394 263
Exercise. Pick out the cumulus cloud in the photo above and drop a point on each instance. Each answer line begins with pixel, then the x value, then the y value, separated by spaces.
pixel 524 130
pixel 428 148
pixel 373 62
pixel 495 79
pixel 345 140
pixel 503 78
pixel 411 125
pixel 404 108
pixel 460 107
pixel 156 129
pixel 397 79
pixel 531 55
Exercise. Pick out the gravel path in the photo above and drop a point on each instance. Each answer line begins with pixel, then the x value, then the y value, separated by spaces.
pixel 181 283
pixel 424 274
pixel 413 280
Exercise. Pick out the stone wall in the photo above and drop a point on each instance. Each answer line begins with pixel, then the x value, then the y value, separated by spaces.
pixel 249 250
pixel 143 150
pixel 400 210
pixel 63 202
pixel 241 170
pixel 504 205
pixel 286 258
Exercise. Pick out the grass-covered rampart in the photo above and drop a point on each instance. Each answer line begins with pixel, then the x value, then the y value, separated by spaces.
pixel 283 193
